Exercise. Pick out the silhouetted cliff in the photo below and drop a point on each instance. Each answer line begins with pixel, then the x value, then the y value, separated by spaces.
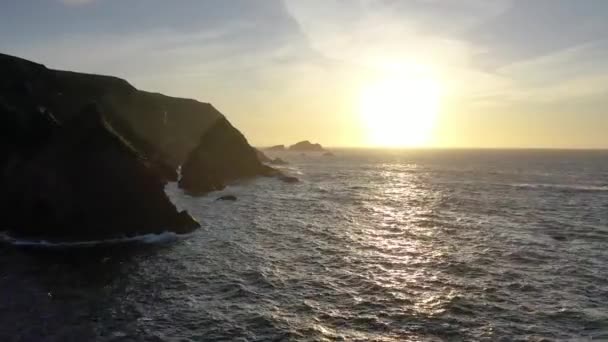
pixel 69 163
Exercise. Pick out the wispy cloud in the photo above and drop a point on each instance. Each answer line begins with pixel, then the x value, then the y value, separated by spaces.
pixel 76 2
pixel 502 56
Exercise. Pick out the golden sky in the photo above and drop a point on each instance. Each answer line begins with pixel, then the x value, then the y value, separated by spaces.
pixel 430 73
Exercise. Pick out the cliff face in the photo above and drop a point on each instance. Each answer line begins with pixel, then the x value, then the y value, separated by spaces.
pixel 85 181
pixel 173 126
pixel 101 169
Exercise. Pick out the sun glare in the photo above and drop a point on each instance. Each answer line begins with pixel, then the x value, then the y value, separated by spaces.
pixel 400 111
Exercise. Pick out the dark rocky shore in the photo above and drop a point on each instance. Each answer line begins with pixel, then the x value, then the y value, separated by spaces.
pixel 87 156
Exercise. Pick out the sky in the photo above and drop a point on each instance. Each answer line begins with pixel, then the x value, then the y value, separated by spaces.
pixel 505 73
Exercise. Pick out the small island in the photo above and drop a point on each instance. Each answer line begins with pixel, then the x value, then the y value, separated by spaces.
pixel 302 146
pixel 306 146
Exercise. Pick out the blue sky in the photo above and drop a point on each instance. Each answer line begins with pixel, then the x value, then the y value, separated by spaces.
pixel 514 73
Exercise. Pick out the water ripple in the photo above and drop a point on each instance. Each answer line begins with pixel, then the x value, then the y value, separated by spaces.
pixel 369 246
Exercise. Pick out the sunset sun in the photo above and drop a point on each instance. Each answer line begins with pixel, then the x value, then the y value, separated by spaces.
pixel 400 111
pixel 303 170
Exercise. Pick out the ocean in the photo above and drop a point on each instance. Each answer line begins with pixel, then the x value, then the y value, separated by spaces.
pixel 371 245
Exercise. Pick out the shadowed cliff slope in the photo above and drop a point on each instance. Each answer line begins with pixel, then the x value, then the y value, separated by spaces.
pixel 222 155
pixel 170 126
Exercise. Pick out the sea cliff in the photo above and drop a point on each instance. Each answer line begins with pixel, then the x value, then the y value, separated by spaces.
pixel 87 156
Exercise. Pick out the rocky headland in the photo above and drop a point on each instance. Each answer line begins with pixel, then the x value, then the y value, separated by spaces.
pixel 87 156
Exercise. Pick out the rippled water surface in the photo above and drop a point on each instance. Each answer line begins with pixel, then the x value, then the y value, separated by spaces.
pixel 371 245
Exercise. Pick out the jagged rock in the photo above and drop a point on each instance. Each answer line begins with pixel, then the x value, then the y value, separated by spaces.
pixel 288 179
pixel 328 154
pixel 262 157
pixel 222 156
pixel 276 148
pixel 227 198
pixel 559 237
pixel 306 146
pixel 84 181
pixel 278 161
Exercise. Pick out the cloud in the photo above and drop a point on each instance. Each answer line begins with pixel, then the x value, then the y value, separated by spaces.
pixel 531 29
pixel 508 56
pixel 362 30
pixel 566 75
pixel 76 2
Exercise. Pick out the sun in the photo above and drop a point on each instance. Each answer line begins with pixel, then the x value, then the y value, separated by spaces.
pixel 400 111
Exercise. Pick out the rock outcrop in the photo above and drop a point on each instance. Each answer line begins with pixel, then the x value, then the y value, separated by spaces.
pixel 277 148
pixel 306 146
pixel 262 157
pixel 278 161
pixel 288 179
pixel 231 198
pixel 222 156
pixel 69 169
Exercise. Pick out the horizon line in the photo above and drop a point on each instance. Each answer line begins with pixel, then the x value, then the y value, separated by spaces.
pixel 451 148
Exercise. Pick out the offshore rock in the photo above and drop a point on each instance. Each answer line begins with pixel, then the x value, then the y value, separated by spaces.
pixel 227 198
pixel 278 161
pixel 288 179
pixel 306 146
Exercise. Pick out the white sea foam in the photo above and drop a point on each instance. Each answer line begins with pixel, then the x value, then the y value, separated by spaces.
pixel 162 238
pixel 566 187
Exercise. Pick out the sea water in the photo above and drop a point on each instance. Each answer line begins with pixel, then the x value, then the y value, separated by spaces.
pixel 398 245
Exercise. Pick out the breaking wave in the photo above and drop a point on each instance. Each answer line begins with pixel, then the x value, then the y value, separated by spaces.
pixel 163 238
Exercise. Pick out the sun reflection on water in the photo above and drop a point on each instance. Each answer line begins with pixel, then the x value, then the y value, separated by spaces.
pixel 403 259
